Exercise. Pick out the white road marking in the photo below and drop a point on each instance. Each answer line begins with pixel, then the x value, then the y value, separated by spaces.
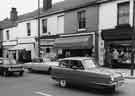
pixel 43 94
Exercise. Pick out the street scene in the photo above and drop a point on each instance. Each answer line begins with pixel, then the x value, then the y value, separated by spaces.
pixel 67 48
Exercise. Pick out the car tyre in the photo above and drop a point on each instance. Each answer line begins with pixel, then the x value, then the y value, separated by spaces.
pixel 49 70
pixel 30 69
pixel 5 73
pixel 112 89
pixel 21 73
pixel 63 83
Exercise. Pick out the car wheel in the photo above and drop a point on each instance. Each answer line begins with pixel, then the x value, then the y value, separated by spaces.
pixel 21 74
pixel 63 83
pixel 112 89
pixel 29 69
pixel 5 73
pixel 49 70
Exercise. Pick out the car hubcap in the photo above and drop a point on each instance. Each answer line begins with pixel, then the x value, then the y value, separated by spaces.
pixel 63 83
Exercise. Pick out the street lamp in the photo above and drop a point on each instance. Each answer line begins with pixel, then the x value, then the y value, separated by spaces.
pixel 133 42
pixel 38 28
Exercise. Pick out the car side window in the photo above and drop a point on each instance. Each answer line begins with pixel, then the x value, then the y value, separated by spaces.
pixel 77 64
pixel 64 63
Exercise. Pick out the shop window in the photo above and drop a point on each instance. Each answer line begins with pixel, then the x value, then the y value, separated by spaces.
pixel 44 26
pixel 81 19
pixel 28 29
pixel 123 13
pixel 47 50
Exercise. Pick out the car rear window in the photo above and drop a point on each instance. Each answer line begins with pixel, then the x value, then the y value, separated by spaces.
pixel 89 63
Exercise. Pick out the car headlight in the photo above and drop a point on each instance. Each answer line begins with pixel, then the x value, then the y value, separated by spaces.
pixel 112 78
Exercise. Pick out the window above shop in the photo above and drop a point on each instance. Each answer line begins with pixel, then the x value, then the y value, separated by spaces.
pixel 81 19
pixel 123 13
pixel 28 29
pixel 44 26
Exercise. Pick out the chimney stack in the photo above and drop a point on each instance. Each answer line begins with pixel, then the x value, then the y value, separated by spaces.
pixel 47 4
pixel 13 14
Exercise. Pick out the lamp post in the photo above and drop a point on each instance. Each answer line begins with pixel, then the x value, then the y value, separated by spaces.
pixel 133 42
pixel 38 28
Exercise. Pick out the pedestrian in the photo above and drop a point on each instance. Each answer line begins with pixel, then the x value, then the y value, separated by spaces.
pixel 109 58
pixel 115 56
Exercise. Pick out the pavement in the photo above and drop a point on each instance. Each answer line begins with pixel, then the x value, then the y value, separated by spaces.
pixel 126 73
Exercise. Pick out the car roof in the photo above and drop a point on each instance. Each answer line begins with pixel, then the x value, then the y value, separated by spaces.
pixel 77 58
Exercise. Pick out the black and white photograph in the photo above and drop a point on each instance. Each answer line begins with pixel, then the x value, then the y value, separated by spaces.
pixel 67 48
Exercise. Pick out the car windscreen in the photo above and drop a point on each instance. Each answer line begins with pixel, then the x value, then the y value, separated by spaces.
pixel 89 63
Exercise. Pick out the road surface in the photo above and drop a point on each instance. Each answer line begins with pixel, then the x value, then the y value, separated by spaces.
pixel 35 84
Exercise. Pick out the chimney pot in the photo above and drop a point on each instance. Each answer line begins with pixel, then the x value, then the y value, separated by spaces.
pixel 47 4
pixel 13 14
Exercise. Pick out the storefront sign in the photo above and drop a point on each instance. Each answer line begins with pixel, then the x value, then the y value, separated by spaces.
pixel 47 42
pixel 26 40
pixel 9 43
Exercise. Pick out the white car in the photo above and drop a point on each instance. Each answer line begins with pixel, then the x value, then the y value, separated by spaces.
pixel 40 65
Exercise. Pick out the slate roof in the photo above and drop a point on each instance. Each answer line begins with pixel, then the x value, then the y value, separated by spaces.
pixel 58 7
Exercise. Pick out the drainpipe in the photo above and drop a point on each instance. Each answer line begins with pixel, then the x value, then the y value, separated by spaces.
pixel 133 42
pixel 38 28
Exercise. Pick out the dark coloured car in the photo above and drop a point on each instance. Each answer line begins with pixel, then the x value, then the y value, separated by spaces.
pixel 85 71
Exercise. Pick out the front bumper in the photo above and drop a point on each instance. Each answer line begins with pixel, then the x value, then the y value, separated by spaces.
pixel 116 83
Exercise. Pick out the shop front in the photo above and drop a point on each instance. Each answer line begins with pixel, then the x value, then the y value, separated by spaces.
pixel 118 46
pixel 6 48
pixel 24 49
pixel 71 45
pixel 47 50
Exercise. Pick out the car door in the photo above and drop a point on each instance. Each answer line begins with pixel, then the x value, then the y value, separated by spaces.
pixel 64 71
pixel 76 72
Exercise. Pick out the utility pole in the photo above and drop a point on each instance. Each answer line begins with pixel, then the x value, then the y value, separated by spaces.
pixel 38 28
pixel 133 43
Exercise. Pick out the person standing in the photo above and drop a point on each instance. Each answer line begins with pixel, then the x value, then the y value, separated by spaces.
pixel 108 58
pixel 115 56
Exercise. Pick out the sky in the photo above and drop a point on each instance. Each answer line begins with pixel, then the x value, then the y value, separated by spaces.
pixel 23 6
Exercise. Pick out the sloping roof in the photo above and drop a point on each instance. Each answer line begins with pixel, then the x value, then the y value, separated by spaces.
pixel 58 7
pixel 6 23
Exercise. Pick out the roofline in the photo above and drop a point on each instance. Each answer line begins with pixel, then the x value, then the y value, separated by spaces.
pixel 36 17
pixel 104 1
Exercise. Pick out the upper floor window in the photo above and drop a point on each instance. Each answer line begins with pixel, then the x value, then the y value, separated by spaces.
pixel 7 34
pixel 28 29
pixel 81 19
pixel 44 25
pixel 60 24
pixel 123 13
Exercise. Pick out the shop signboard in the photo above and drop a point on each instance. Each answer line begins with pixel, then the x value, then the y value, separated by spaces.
pixel 10 43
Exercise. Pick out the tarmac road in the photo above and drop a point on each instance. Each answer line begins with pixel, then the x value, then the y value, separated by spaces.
pixel 35 84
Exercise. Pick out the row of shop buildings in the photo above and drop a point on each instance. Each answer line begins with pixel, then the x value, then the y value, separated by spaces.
pixel 70 28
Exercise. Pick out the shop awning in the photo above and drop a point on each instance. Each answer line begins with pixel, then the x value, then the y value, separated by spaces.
pixel 76 42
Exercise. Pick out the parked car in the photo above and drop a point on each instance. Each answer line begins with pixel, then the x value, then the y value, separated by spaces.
pixel 39 64
pixel 85 71
pixel 8 66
